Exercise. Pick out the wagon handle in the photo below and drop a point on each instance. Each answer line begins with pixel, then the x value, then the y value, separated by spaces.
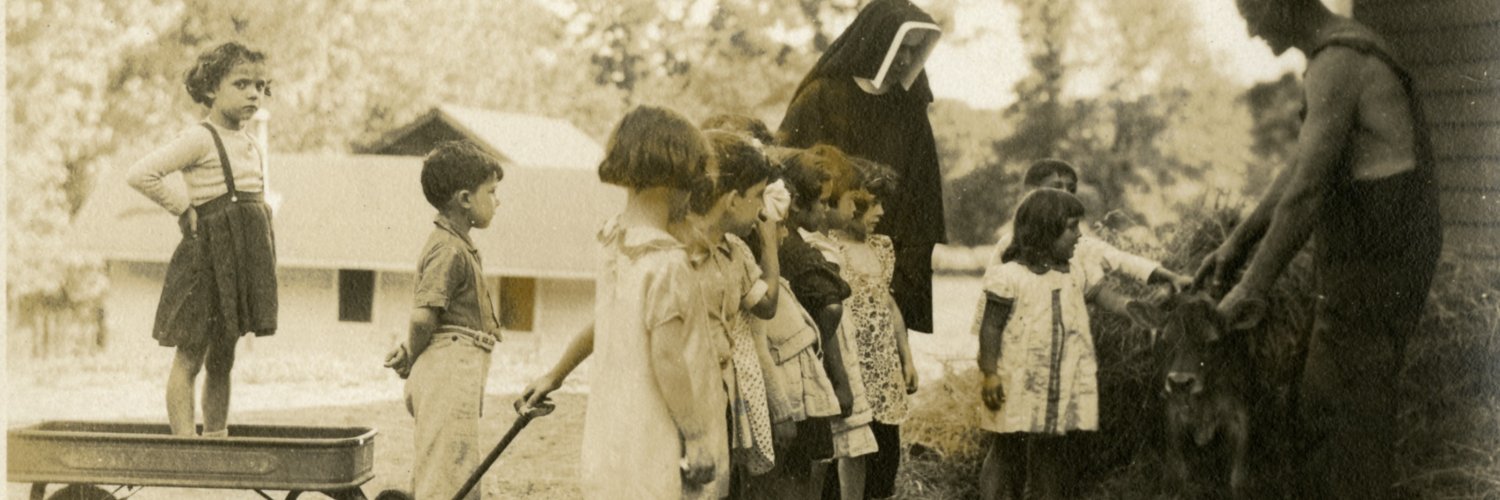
pixel 527 413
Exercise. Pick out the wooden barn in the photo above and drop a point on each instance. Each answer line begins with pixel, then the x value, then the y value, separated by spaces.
pixel 1452 48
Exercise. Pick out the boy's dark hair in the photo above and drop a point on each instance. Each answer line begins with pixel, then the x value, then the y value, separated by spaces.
pixel 654 147
pixel 741 163
pixel 206 74
pixel 803 182
pixel 876 178
pixel 455 166
pixel 1040 220
pixel 1040 170
pixel 740 124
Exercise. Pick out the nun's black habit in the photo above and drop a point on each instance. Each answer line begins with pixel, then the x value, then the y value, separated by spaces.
pixel 890 127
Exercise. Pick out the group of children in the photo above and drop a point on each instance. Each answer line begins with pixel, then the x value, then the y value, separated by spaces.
pixel 745 336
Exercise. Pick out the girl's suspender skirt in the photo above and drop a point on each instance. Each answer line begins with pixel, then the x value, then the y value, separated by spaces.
pixel 221 281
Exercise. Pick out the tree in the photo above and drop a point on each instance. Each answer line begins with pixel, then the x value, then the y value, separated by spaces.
pixel 709 56
pixel 979 202
pixel 1276 109
pixel 1148 119
pixel 58 58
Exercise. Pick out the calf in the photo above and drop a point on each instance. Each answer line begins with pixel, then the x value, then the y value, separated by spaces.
pixel 1206 384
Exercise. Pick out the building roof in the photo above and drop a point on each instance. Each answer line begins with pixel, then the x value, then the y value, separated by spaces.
pixel 367 212
pixel 518 139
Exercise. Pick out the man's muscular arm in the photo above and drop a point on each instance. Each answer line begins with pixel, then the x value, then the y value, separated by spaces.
pixel 1219 266
pixel 1333 90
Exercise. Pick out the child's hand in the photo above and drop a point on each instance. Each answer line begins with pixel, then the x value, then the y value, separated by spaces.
pixel 697 462
pixel 1178 282
pixel 992 391
pixel 399 359
pixel 188 222
pixel 846 399
pixel 784 432
pixel 536 392
pixel 910 373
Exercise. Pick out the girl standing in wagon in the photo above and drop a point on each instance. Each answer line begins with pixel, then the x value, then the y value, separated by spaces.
pixel 1035 351
pixel 221 281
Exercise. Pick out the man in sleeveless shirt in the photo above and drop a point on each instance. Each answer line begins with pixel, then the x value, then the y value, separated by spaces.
pixel 1361 188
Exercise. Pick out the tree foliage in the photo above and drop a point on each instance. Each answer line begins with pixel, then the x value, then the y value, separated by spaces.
pixel 1276 110
pixel 1113 89
pixel 96 85
pixel 58 58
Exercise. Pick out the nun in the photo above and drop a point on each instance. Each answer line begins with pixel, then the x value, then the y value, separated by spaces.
pixel 868 96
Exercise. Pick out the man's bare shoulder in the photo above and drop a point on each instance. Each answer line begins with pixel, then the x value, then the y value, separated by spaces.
pixel 1349 57
pixel 1336 62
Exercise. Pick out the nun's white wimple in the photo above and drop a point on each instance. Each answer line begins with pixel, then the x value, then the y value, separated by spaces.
pixel 890 54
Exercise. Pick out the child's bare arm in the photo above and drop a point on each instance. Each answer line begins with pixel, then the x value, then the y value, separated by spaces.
pixel 833 356
pixel 424 321
pixel 674 380
pixel 670 370
pixel 764 306
pixel 1164 275
pixel 1110 299
pixel 903 344
pixel 997 311
pixel 578 350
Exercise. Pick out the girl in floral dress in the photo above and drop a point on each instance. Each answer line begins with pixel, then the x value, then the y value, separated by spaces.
pixel 871 313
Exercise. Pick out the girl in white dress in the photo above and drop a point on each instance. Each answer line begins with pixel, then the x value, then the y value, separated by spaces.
pixel 654 427
pixel 1035 351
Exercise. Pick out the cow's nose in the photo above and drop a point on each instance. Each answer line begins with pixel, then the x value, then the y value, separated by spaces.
pixel 1181 382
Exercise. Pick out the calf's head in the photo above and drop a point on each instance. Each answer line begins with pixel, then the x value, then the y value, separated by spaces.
pixel 1198 336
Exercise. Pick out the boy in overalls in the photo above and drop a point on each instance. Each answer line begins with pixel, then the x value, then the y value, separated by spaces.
pixel 446 358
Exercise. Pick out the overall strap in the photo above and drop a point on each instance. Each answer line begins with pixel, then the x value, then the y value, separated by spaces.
pixel 223 161
pixel 1367 46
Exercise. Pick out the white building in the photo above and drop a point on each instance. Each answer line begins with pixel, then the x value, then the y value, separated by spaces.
pixel 350 228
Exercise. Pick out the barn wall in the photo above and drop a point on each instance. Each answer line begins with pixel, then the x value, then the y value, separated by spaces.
pixel 1452 48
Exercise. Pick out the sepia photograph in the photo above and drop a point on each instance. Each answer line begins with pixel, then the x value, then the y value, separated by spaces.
pixel 751 249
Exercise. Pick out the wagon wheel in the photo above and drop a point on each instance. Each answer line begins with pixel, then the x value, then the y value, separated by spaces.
pixel 349 494
pixel 82 492
pixel 394 495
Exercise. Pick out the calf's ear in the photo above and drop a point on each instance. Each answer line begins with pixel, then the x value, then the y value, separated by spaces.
pixel 1145 315
pixel 1249 315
